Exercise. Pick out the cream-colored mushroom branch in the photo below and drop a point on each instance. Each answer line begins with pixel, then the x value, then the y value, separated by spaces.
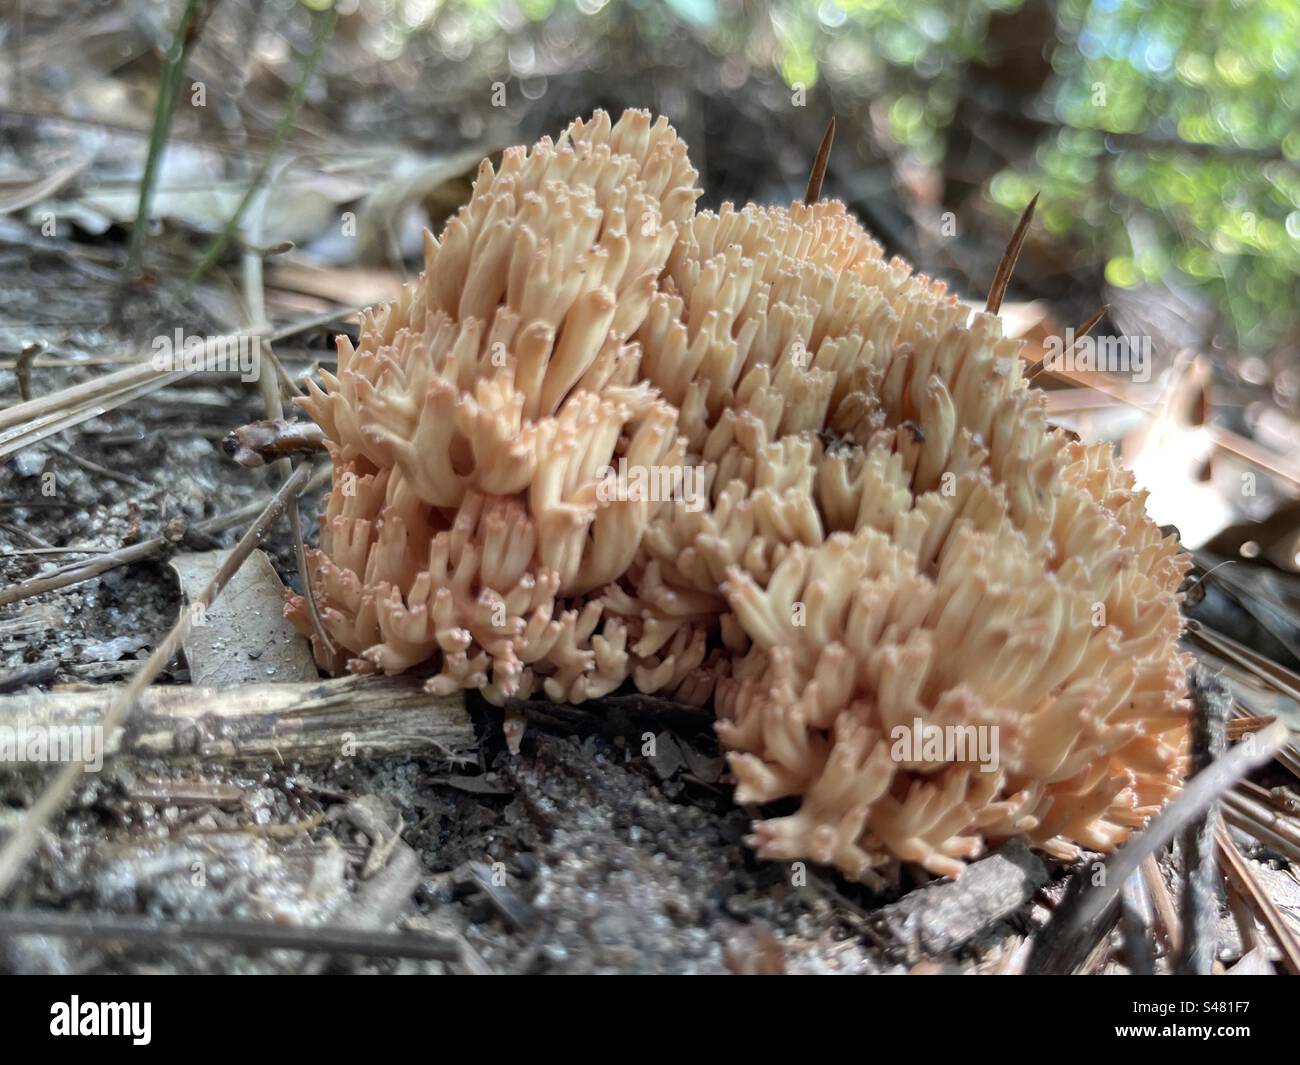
pixel 741 457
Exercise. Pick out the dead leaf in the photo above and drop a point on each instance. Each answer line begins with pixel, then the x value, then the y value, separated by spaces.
pixel 243 638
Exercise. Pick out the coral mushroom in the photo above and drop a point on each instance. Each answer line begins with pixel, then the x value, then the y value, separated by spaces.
pixel 854 526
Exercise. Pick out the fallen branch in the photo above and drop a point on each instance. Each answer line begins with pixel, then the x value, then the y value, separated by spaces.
pixel 252 935
pixel 1212 706
pixel 312 722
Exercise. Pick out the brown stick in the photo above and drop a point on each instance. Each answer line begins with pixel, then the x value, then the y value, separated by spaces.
pixel 937 919
pixel 307 722
pixel 254 935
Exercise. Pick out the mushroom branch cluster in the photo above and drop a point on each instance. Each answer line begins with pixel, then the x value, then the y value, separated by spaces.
pixel 741 458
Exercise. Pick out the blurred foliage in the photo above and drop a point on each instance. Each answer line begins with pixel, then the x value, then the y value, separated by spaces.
pixel 1169 135
pixel 1186 113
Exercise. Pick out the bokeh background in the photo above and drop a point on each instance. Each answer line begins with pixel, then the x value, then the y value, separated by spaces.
pixel 1162 135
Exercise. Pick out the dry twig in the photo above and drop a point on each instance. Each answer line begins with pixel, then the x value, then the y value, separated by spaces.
pixel 84 571
pixel 308 722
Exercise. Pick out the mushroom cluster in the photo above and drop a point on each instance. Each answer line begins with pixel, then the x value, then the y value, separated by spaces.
pixel 741 457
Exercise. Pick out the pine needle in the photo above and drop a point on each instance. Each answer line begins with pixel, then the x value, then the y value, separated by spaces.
pixel 1007 267
pixel 814 191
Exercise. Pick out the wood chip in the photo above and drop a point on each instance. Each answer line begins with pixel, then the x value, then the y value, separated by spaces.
pixel 937 919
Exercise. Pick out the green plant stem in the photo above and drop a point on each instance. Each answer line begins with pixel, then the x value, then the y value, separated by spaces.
pixel 187 33
pixel 324 30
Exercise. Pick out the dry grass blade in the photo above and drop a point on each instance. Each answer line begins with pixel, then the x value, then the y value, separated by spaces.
pixel 1270 827
pixel 1079 334
pixel 27 423
pixel 1237 870
pixel 1007 267
pixel 52 425
pixel 814 191
pixel 1223 439
pixel 22 842
pixel 1136 922
pixel 1166 913
pixel 1261 669
pixel 1271 674
pixel 43 188
pixel 1244 918
pixel 1272 798
pixel 1270 613
pixel 34 410
pixel 1244 726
